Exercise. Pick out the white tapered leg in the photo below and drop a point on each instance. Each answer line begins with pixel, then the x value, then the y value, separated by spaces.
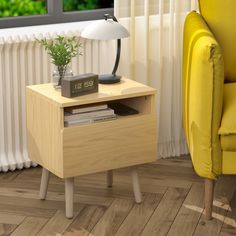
pixel 69 197
pixel 136 186
pixel 44 184
pixel 109 178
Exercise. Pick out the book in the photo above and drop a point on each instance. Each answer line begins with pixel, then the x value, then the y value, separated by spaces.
pixel 88 121
pixel 88 115
pixel 104 118
pixel 82 109
pixel 77 122
pixel 122 109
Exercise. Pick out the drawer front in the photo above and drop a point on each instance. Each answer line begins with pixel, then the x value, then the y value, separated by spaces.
pixel 109 145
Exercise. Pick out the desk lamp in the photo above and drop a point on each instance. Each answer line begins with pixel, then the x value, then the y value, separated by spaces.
pixel 106 30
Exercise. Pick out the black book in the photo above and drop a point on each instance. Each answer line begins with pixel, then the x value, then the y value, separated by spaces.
pixel 122 110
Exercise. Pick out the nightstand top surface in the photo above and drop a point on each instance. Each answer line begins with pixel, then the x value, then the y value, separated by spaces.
pixel 125 89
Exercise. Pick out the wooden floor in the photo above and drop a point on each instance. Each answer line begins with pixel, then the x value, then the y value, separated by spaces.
pixel 172 204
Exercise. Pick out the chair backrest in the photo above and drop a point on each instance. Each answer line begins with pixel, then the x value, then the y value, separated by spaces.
pixel 220 15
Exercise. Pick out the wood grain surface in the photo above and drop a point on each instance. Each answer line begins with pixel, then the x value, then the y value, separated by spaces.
pixel 173 201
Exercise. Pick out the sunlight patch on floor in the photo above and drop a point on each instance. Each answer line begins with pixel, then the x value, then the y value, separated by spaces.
pixel 222 218
pixel 222 205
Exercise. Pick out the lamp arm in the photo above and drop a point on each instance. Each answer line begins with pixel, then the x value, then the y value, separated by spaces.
pixel 117 56
pixel 107 16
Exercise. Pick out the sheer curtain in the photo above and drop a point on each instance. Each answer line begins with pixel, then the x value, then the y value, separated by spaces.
pixel 153 55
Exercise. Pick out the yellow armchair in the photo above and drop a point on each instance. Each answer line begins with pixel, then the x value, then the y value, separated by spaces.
pixel 209 91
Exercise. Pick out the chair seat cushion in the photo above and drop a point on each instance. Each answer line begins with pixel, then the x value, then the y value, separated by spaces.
pixel 228 142
pixel 227 129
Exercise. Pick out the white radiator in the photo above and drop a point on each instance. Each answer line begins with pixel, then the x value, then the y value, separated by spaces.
pixel 24 62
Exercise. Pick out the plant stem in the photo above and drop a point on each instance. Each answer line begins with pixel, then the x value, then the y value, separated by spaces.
pixel 61 71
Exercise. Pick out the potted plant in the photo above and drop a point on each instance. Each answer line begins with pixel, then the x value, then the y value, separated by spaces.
pixel 61 50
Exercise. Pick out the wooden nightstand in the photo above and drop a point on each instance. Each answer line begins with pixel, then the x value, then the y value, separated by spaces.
pixel 88 148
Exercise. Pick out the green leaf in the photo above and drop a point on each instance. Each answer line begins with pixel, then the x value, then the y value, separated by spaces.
pixel 62 49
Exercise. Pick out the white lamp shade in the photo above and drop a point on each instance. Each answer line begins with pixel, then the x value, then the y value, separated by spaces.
pixel 105 30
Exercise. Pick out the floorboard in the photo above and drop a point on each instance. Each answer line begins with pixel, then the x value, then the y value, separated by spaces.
pixel 30 226
pixel 189 213
pixel 86 220
pixel 165 213
pixel 113 217
pixel 173 202
pixel 140 214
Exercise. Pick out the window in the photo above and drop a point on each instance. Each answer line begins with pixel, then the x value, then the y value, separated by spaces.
pixel 80 5
pixel 22 7
pixel 16 13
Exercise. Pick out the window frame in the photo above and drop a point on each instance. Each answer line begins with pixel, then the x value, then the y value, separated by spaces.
pixel 55 14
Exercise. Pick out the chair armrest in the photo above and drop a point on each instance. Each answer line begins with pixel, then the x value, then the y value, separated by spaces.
pixel 202 88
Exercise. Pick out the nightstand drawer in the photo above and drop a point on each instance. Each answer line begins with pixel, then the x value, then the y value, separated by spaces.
pixel 109 145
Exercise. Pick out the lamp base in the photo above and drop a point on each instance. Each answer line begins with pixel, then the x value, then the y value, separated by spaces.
pixel 109 79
